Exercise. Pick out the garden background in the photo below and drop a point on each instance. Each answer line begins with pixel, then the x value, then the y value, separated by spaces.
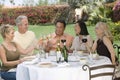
pixel 42 16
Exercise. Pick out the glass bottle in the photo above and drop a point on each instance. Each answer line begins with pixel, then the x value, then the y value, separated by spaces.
pixel 58 53
pixel 64 52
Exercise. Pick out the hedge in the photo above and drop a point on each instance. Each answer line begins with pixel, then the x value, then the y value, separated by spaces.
pixel 36 15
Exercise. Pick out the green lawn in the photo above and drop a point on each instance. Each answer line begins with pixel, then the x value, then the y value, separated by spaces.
pixel 47 29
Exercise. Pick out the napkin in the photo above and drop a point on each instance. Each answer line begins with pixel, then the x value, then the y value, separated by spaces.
pixel 34 61
pixel 12 70
pixel 64 64
pixel 29 58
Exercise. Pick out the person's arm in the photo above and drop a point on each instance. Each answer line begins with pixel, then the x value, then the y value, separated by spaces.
pixel 34 41
pixel 94 46
pixel 73 44
pixel 89 43
pixel 4 60
pixel 69 42
pixel 50 46
pixel 25 51
pixel 109 45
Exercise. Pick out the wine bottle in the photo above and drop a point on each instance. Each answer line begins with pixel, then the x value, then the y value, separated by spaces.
pixel 64 52
pixel 58 53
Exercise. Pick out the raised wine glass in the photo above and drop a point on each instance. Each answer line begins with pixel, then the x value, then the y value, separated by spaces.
pixel 49 36
pixel 84 39
pixel 63 40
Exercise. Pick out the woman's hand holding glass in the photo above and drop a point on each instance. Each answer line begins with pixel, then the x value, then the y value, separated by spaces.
pixel 84 39
pixel 86 43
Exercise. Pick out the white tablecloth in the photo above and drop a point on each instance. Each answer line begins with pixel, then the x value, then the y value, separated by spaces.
pixel 73 72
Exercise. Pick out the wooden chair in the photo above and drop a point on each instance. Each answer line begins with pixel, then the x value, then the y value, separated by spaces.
pixel 118 50
pixel 117 78
pixel 106 73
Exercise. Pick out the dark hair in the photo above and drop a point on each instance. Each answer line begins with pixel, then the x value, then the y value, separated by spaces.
pixel 61 21
pixel 83 27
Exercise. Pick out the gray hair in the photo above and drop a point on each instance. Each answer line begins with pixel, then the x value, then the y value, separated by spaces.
pixel 19 19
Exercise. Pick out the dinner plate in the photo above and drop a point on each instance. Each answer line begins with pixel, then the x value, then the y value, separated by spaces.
pixel 29 58
pixel 46 64
pixel 83 54
pixel 73 59
pixel 98 58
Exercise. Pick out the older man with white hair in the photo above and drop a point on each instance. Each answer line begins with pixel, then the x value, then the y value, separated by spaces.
pixel 23 36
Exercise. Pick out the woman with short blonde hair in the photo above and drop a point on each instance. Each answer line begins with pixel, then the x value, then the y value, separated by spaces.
pixel 10 52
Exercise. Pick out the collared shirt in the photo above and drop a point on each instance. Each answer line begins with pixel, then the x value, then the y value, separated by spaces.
pixel 54 39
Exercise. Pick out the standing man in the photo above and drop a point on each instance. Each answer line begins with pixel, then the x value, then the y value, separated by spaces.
pixel 23 36
pixel 59 34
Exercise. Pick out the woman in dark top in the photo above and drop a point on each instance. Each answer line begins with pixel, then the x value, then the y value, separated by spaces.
pixel 103 43
pixel 102 49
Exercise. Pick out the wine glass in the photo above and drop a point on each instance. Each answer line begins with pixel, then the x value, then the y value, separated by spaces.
pixel 84 39
pixel 49 36
pixel 63 40
pixel 41 51
pixel 44 37
pixel 75 53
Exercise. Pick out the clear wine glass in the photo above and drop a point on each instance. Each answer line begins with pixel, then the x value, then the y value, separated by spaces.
pixel 44 37
pixel 49 36
pixel 40 52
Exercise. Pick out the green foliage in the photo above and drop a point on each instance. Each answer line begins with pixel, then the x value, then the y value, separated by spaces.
pixel 100 12
pixel 43 2
pixel 116 31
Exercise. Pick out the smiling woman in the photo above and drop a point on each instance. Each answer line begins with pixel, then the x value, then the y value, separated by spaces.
pixel 10 52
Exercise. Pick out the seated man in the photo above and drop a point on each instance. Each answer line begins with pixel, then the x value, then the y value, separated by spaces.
pixel 24 37
pixel 58 36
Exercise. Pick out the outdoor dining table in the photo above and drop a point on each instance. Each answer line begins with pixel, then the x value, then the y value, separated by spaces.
pixel 60 71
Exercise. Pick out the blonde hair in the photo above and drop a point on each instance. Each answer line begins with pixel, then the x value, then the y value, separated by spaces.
pixel 106 31
pixel 5 29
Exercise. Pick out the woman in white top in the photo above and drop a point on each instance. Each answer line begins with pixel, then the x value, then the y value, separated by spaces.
pixel 82 39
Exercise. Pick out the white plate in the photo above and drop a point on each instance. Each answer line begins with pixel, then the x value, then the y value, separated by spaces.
pixel 73 59
pixel 29 58
pixel 46 64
